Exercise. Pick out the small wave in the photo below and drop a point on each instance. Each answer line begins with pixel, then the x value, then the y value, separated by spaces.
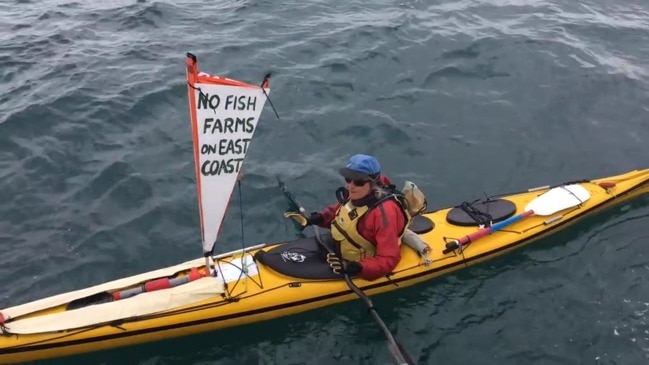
pixel 18 27
pixel 479 71
pixel 102 182
pixel 70 5
pixel 52 14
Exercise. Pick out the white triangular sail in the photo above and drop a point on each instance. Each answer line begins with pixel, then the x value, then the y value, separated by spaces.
pixel 224 115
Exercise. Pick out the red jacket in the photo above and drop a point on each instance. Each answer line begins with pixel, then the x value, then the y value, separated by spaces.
pixel 384 234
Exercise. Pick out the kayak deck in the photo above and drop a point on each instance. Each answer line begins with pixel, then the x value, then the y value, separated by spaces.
pixel 45 329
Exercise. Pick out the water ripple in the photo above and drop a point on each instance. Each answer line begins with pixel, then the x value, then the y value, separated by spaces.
pixel 96 173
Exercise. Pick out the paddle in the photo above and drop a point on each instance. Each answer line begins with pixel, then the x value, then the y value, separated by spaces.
pixel 548 203
pixel 396 350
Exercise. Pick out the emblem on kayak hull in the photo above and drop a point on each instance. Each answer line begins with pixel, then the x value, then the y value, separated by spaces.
pixel 293 256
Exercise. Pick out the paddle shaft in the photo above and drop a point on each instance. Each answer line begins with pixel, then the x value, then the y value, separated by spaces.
pixel 396 350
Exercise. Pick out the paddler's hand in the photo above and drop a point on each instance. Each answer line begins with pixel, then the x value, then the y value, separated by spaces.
pixel 314 218
pixel 344 267
pixel 352 268
pixel 298 217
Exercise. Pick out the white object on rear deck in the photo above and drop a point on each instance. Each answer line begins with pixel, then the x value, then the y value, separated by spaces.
pixel 141 304
pixel 168 298
pixel 558 199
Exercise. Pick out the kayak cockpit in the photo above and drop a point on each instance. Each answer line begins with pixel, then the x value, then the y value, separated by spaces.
pixel 306 259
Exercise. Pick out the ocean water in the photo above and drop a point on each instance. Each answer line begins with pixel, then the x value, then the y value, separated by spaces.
pixel 465 98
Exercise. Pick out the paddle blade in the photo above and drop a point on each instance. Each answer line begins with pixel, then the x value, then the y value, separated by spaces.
pixel 558 199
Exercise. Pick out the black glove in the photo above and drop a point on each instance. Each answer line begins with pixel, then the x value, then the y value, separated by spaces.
pixel 315 219
pixel 353 268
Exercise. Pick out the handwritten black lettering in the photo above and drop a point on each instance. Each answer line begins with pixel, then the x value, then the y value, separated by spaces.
pixel 218 167
pixel 207 149
pixel 240 102
pixel 246 124
pixel 205 99
pixel 236 146
pixel 229 122
pixel 228 125
pixel 226 154
pixel 207 124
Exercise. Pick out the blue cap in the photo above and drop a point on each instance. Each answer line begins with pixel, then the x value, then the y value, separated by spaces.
pixel 361 167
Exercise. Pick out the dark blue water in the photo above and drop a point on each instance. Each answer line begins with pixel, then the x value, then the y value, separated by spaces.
pixel 462 97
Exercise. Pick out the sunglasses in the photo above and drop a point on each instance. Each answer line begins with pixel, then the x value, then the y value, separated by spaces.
pixel 357 182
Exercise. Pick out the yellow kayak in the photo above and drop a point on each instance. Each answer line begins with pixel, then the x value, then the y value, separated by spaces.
pixel 265 282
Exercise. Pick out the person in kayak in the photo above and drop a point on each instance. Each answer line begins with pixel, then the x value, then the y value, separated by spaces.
pixel 368 222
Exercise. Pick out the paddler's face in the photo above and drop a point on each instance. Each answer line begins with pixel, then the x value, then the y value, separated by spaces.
pixel 358 189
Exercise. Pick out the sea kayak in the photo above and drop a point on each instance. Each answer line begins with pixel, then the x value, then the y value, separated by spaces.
pixel 268 281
